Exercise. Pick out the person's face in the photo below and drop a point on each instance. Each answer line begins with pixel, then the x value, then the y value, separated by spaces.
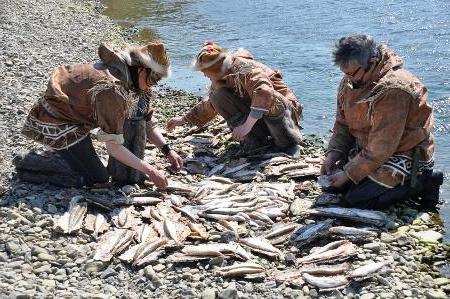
pixel 353 70
pixel 147 78
pixel 213 76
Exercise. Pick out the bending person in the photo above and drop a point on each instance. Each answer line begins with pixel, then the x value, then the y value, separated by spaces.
pixel 250 96
pixel 82 97
pixel 382 133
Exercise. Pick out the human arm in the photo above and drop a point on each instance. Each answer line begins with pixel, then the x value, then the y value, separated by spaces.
pixel 122 154
pixel 155 136
pixel 389 116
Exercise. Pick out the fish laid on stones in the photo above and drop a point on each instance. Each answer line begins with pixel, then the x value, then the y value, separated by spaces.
pixel 326 282
pixel 240 269
pixel 326 199
pixel 231 170
pixel 261 246
pixel 72 220
pixel 309 233
pixel 198 231
pixel 217 249
pixel 341 253
pixel 326 269
pixel 365 216
pixel 367 270
pixel 215 169
pixel 144 253
pixel 125 217
pixel 96 224
pixel 143 200
pixel 144 232
pixel 113 242
pixel 352 231
pixel 294 277
pixel 281 233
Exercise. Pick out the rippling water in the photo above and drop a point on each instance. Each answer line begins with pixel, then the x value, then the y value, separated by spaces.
pixel 297 37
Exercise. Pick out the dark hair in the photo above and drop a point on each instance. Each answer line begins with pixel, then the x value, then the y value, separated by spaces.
pixel 134 72
pixel 355 48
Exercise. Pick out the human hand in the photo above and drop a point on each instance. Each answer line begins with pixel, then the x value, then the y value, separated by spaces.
pixel 329 165
pixel 156 177
pixel 240 132
pixel 338 179
pixel 176 162
pixel 175 122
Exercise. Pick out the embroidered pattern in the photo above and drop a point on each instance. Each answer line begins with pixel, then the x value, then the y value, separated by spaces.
pixel 403 164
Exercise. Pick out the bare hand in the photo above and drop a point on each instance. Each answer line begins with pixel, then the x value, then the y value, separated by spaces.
pixel 175 160
pixel 240 132
pixel 329 165
pixel 175 122
pixel 156 177
pixel 338 179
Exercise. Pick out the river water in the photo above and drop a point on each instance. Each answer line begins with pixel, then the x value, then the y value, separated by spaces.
pixel 298 37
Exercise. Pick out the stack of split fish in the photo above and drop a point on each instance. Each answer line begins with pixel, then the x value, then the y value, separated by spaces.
pixel 235 208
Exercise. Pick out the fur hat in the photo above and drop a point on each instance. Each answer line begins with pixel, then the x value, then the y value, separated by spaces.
pixel 210 57
pixel 152 56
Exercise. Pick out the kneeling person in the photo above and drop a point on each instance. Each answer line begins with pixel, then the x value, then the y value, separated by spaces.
pixel 383 130
pixel 250 96
pixel 82 97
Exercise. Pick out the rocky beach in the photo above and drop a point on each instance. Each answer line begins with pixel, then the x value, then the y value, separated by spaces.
pixel 39 260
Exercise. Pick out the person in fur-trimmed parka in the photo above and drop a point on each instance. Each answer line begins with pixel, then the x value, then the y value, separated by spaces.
pixel 250 96
pixel 382 118
pixel 102 95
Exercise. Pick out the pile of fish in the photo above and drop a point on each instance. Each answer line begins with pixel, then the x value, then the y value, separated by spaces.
pixel 235 208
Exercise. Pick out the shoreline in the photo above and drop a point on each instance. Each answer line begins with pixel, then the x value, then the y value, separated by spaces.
pixel 34 261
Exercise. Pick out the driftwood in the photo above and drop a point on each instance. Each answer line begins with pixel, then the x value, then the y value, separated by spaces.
pixel 45 167
pixel 134 133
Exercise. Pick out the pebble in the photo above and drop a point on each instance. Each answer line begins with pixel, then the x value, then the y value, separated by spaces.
pixel 435 294
pixel 428 236
pixel 229 293
pixel 159 267
pixel 209 293
pixel 45 257
pixel 94 267
pixel 367 296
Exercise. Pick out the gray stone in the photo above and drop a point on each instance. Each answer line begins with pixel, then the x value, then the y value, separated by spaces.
pixel 209 293
pixel 94 267
pixel 45 257
pixel 159 267
pixel 13 248
pixel 367 296
pixel 435 294
pixel 372 246
pixel 428 236
pixel 109 272
pixel 229 293
pixel 228 236
pixel 3 257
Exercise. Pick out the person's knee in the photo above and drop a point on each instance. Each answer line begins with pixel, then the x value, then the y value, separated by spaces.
pixel 221 97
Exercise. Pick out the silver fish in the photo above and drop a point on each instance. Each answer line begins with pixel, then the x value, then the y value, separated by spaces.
pixel 366 216
pixel 112 243
pixel 309 233
pixel 241 269
pixel 352 231
pixel 143 200
pixel 326 199
pixel 72 220
pixel 217 249
pixel 262 246
pixel 327 282
pixel 215 169
pixel 236 168
pixel 326 269
pixel 366 270
pixel 342 252
pixel 125 217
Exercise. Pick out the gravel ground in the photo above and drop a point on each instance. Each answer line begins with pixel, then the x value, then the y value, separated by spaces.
pixel 35 262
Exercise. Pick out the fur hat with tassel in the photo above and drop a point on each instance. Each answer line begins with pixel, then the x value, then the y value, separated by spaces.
pixel 210 58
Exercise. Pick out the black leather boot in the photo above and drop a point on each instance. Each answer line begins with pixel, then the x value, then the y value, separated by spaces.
pixel 430 193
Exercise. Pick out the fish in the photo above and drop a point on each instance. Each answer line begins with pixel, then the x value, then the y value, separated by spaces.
pixel 198 231
pixel 326 199
pixel 113 242
pixel 342 252
pixel 179 188
pixel 231 170
pixel 187 212
pixel 72 220
pixel 215 169
pixel 329 246
pixel 151 213
pixel 100 224
pixel 327 282
pixel 220 179
pixel 144 232
pixel 306 234
pixel 262 246
pixel 125 217
pixel 311 160
pixel 142 200
pixel 310 171
pixel 326 269
pixel 170 230
pixel 229 225
pixel 376 218
pixel 352 231
pixel 291 167
pixel 240 269
pixel 260 216
pixel 217 249
pixel 367 270
pixel 143 252
pixel 285 229
pixel 324 181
